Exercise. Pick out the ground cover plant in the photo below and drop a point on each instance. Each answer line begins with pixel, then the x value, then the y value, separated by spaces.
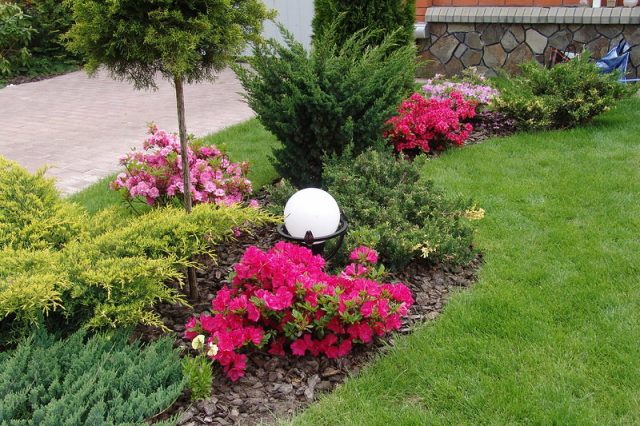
pixel 317 103
pixel 549 334
pixel 563 96
pixel 87 380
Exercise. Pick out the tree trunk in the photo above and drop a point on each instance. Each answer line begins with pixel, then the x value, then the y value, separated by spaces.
pixel 186 178
pixel 183 144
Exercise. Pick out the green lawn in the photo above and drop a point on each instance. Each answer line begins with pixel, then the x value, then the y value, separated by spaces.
pixel 247 141
pixel 551 333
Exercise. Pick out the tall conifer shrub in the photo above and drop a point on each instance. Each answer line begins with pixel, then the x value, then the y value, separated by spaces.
pixel 381 16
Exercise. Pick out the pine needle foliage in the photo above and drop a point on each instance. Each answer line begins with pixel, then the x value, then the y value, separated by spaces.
pixel 564 96
pixel 319 102
pixel 100 381
pixel 382 17
pixel 390 208
pixel 136 39
pixel 31 212
pixel 112 272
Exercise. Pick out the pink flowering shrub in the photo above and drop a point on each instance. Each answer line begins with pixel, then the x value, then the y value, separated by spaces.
pixel 155 173
pixel 431 124
pixel 283 298
pixel 439 88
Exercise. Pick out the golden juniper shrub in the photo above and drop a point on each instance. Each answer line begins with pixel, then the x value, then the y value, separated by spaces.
pixel 108 276
pixel 567 95
pixel 32 215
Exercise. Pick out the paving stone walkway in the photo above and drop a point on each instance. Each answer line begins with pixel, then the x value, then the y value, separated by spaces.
pixel 80 126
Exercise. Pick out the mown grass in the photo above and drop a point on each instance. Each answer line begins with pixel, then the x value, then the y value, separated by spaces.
pixel 247 141
pixel 551 332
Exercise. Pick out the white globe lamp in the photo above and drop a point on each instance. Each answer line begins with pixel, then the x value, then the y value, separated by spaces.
pixel 311 217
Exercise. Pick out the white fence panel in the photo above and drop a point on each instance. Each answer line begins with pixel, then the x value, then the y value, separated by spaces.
pixel 295 15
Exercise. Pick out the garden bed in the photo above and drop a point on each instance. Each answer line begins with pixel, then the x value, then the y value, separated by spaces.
pixel 277 387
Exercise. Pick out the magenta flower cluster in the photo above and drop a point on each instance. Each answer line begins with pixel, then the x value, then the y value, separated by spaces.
pixel 155 173
pixel 431 124
pixel 283 299
pixel 439 88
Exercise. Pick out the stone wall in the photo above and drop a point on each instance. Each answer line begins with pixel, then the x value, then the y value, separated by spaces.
pixel 452 46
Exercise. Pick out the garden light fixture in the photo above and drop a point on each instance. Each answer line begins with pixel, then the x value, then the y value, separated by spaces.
pixel 311 218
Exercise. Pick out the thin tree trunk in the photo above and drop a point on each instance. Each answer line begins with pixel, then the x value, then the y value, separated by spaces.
pixel 183 144
pixel 186 179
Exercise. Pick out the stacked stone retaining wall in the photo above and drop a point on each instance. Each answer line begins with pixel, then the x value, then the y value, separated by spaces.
pixel 451 47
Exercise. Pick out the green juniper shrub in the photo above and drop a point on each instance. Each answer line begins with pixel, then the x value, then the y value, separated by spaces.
pixel 99 380
pixel 199 375
pixel 564 96
pixel 15 34
pixel 50 19
pixel 317 102
pixel 94 275
pixel 390 208
pixel 279 194
pixel 382 17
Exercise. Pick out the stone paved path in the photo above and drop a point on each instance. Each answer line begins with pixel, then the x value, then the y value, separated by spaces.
pixel 79 127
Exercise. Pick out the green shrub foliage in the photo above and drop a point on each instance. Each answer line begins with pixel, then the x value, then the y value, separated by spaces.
pixel 104 381
pixel 564 96
pixel 32 216
pixel 15 34
pixel 318 102
pixel 51 19
pixel 390 208
pixel 381 17
pixel 190 40
pixel 96 276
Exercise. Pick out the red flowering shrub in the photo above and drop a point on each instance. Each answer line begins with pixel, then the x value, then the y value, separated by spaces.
pixel 284 298
pixel 431 124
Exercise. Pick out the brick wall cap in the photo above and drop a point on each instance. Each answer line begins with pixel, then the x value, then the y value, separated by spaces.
pixel 534 15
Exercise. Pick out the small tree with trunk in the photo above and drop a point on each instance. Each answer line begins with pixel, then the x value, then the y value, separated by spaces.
pixel 183 41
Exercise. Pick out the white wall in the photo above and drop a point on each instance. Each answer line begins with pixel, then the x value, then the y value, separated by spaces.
pixel 295 15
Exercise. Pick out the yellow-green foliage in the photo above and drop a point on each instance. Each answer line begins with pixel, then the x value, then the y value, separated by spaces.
pixel 110 274
pixel 31 212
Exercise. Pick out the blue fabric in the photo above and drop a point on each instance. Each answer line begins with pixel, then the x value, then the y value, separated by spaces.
pixel 615 59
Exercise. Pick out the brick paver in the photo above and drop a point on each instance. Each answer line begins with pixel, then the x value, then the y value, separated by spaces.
pixel 80 126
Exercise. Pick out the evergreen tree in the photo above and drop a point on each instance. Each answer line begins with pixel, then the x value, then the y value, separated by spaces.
pixel 381 17
pixel 183 41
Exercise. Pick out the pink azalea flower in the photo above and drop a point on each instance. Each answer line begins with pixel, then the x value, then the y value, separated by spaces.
pixel 155 173
pixel 288 285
